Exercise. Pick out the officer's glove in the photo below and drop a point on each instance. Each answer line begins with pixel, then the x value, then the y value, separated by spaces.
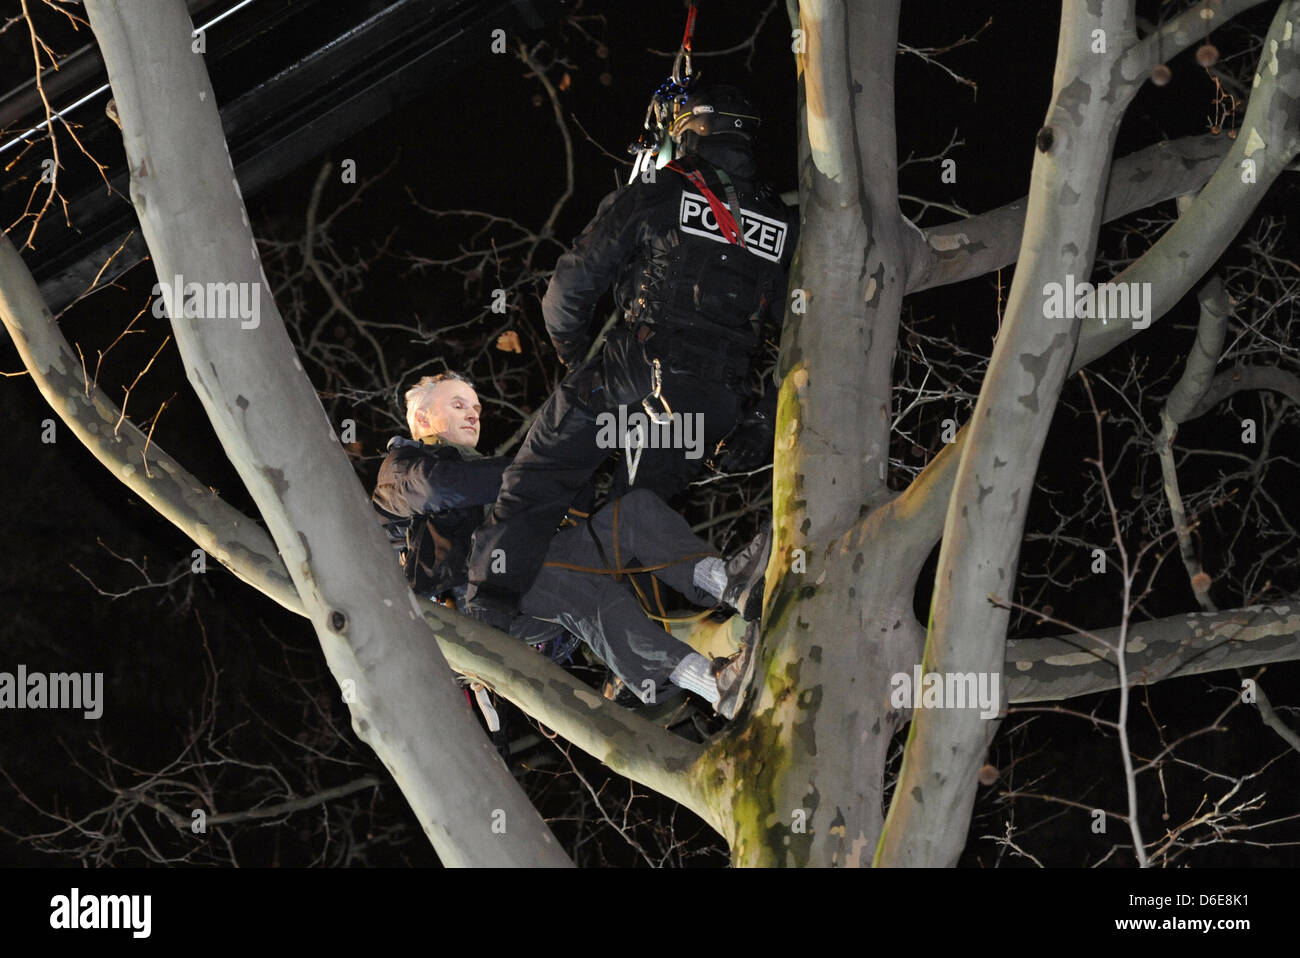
pixel 748 446
pixel 571 351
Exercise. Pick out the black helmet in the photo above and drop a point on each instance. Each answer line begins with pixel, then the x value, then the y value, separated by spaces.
pixel 713 111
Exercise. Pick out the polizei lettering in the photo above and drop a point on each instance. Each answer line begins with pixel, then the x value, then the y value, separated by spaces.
pixel 764 237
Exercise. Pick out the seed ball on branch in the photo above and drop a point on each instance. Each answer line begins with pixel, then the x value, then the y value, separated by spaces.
pixel 1207 55
pixel 1161 75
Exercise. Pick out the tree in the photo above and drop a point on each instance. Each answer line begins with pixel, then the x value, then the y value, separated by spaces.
pixel 804 775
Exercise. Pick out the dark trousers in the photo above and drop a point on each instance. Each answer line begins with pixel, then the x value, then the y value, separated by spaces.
pixel 604 612
pixel 565 445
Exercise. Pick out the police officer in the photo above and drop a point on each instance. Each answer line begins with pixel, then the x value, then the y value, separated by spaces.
pixel 697 254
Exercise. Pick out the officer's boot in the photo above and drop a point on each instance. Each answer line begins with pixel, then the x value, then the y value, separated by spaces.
pixel 733 675
pixel 746 571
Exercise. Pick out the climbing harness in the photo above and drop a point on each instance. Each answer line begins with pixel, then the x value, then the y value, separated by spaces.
pixel 618 570
pixel 654 144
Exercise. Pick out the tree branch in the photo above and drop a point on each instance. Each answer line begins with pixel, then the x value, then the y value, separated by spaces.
pixel 1269 140
pixel 1191 386
pixel 621 739
pixel 1067 666
pixel 1248 379
pixel 263 811
pixel 1274 721
pixel 1178 33
pixel 223 532
pixel 980 244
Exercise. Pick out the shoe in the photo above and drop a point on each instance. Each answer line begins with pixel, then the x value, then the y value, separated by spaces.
pixel 563 647
pixel 733 674
pixel 614 690
pixel 500 619
pixel 492 607
pixel 746 574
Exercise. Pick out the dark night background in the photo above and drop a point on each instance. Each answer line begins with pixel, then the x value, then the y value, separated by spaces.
pixel 476 134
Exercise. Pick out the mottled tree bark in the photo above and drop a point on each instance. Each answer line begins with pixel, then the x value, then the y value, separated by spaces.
pixel 930 813
pixel 799 776
pixel 404 701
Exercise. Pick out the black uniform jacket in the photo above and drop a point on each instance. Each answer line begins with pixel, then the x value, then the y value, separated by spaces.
pixel 439 485
pixel 694 296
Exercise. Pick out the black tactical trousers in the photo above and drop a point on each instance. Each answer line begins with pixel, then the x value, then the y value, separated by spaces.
pixel 604 612
pixel 578 427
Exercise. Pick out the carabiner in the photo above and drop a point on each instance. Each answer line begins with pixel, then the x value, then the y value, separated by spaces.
pixel 677 67
pixel 665 417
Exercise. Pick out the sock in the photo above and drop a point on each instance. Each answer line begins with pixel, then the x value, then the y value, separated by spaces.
pixel 710 575
pixel 695 674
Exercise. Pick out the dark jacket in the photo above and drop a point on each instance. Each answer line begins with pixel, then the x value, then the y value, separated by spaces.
pixel 689 297
pixel 443 492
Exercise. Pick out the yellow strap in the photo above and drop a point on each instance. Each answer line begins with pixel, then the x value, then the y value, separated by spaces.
pixel 659 602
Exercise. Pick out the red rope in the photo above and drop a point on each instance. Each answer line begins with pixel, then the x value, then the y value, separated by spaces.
pixel 721 212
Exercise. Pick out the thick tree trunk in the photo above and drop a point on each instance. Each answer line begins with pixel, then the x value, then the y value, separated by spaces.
pixel 403 699
pixel 930 812
pixel 801 779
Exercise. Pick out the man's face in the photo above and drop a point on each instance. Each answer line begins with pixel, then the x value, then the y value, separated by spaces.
pixel 452 413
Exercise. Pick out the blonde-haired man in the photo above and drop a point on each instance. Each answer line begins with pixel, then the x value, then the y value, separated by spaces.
pixel 445 404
